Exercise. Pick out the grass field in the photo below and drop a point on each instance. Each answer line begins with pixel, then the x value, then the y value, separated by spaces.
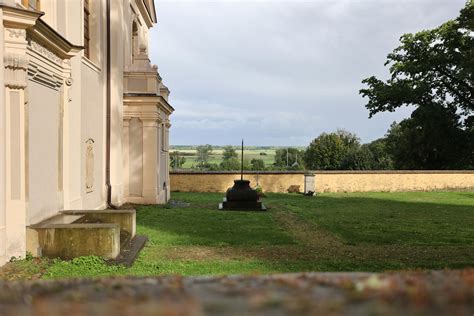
pixel 264 153
pixel 329 232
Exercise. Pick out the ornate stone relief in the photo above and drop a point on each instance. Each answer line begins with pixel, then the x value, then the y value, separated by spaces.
pixel 69 81
pixel 89 165
pixel 15 70
pixel 17 33
pixel 40 49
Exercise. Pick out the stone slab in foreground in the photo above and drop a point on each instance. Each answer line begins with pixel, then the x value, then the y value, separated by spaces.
pixel 410 293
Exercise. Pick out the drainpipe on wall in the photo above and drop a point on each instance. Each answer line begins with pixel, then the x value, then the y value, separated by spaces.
pixel 109 111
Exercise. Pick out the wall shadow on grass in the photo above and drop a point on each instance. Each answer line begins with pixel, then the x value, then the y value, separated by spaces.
pixel 416 218
pixel 203 224
pixel 364 232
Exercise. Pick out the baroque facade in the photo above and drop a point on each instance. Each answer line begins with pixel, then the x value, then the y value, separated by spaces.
pixel 84 115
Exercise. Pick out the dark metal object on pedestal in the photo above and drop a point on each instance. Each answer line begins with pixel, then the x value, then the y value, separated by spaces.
pixel 241 197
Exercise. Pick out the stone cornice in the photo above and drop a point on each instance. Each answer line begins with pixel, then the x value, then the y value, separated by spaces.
pixel 142 115
pixel 148 14
pixel 54 42
pixel 166 106
pixel 148 99
pixel 19 18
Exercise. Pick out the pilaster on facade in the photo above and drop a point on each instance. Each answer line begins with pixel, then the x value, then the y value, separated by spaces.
pixel 32 52
pixel 145 98
pixel 53 115
pixel 15 63
pixel 141 161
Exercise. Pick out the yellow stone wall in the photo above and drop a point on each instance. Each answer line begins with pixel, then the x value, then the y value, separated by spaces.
pixel 329 181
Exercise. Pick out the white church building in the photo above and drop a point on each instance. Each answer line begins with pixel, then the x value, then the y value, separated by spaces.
pixel 84 115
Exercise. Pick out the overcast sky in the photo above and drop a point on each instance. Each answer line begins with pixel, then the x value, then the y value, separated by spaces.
pixel 280 72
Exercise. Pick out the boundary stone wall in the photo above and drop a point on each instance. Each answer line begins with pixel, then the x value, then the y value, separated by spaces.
pixel 326 181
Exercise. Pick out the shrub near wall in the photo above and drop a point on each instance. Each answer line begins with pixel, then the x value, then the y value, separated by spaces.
pixel 327 181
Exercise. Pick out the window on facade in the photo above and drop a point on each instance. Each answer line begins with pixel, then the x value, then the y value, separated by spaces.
pixel 87 38
pixel 162 137
pixel 31 4
pixel 134 39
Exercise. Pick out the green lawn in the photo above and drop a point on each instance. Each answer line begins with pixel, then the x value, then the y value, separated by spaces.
pixel 329 232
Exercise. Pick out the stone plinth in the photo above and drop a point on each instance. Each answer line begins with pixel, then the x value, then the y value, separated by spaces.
pixel 242 197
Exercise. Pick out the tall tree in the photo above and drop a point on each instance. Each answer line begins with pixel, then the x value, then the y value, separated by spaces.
pixel 361 158
pixel 432 70
pixel 229 152
pixel 328 151
pixel 203 153
pixel 431 67
pixel 432 138
pixel 176 160
pixel 383 159
pixel 257 164
pixel 232 163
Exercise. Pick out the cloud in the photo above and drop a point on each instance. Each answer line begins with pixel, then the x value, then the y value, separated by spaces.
pixel 280 72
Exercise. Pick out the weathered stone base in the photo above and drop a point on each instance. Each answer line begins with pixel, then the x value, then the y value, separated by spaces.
pixel 125 218
pixel 68 241
pixel 81 233
pixel 406 293
pixel 242 206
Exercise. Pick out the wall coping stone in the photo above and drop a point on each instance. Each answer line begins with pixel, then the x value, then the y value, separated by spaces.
pixel 75 226
pixel 198 172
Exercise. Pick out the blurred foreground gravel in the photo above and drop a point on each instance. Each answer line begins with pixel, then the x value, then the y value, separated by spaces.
pixel 405 293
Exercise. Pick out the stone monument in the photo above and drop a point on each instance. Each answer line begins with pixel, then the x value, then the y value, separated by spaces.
pixel 241 197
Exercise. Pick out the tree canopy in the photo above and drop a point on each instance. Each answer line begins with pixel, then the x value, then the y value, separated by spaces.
pixel 328 151
pixel 176 160
pixel 432 138
pixel 229 152
pixel 431 67
pixel 257 164
pixel 203 153
pixel 432 70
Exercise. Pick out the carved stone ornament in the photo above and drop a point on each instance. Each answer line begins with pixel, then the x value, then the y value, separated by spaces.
pixel 15 70
pixel 89 165
pixel 17 33
pixel 69 81
pixel 40 49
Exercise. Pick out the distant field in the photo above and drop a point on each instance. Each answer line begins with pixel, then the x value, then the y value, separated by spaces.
pixel 264 153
